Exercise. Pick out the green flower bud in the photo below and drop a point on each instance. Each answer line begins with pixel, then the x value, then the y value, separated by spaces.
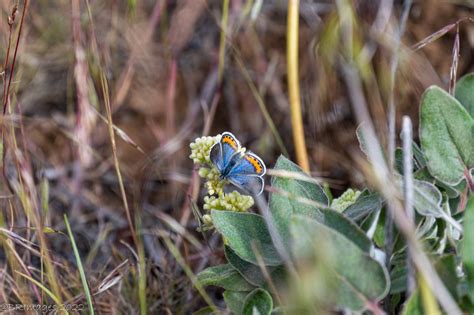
pixel 201 148
pixel 233 201
pixel 347 199
pixel 207 219
pixel 214 184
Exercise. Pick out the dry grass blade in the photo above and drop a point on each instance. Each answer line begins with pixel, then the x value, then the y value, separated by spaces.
pixel 15 261
pixel 122 134
pixel 113 277
pixel 261 104
pixel 15 53
pixel 44 288
pixel 302 200
pixel 11 20
pixel 431 38
pixel 177 255
pixel 266 274
pixel 454 65
pixel 20 240
pixel 180 229
pixel 301 177
pixel 108 109
pixel 272 229
pixel 26 190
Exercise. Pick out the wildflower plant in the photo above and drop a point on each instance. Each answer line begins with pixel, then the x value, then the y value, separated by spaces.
pixel 336 249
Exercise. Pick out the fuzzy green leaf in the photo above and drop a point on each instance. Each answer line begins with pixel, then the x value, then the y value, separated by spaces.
pixel 235 301
pixel 365 204
pixel 224 276
pixel 358 279
pixel 245 232
pixel 284 205
pixel 427 199
pixel 452 191
pixel 446 268
pixel 447 136
pixel 252 273
pixel 465 92
pixel 259 302
pixel 347 228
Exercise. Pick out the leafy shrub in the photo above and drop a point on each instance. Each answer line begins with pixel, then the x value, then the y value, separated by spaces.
pixel 305 252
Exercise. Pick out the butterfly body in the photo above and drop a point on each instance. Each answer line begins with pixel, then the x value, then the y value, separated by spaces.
pixel 243 169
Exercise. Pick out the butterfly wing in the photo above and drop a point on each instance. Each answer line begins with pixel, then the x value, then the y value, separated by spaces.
pixel 216 156
pixel 247 173
pixel 249 183
pixel 223 151
pixel 249 164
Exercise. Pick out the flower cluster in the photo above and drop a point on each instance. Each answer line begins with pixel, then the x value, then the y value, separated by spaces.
pixel 214 184
pixel 216 199
pixel 233 201
pixel 348 198
pixel 201 148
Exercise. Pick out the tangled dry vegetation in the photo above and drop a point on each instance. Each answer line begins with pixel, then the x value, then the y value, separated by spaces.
pixel 102 98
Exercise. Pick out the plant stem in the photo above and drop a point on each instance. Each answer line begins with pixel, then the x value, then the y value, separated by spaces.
pixel 407 134
pixel 293 84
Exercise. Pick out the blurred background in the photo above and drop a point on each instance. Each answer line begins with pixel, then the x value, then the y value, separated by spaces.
pixel 171 71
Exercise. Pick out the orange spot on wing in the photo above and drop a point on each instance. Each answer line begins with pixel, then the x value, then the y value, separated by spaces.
pixel 229 140
pixel 256 163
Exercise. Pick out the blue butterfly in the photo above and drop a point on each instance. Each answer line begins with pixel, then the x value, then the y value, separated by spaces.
pixel 243 169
